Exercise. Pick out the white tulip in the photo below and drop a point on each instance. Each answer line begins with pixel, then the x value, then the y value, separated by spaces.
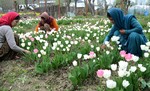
pixel 58 42
pixel 111 84
pixel 41 36
pixel 135 58
pixel 98 48
pixel 23 44
pixel 148 44
pixel 29 43
pixel 125 83
pixel 75 42
pixel 132 69
pixel 140 65
pixel 74 63
pixel 67 42
pixel 61 45
pixel 44 47
pixel 142 69
pixel 46 44
pixel 92 46
pixel 89 41
pixel 57 48
pixel 146 54
pixel 114 67
pixel 121 73
pixel 115 38
pixel 123 65
pixel 86 56
pixel 107 52
pixel 64 49
pixel 71 42
pixel 79 55
pixel 28 48
pixel 144 47
pixel 107 74
pixel 39 55
pixel 69 45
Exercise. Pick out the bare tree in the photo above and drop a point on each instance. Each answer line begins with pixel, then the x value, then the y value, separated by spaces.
pixel 91 7
pixel 45 5
pixel 123 4
pixel 68 5
pixel 75 1
pixel 58 8
pixel 26 2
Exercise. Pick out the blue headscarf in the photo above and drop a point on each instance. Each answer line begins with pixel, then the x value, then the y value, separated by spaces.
pixel 121 21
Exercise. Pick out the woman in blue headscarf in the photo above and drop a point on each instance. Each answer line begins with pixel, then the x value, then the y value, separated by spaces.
pixel 128 29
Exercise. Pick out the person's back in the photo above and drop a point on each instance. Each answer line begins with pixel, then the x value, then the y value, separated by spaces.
pixel 9 43
pixel 47 23
pixel 128 29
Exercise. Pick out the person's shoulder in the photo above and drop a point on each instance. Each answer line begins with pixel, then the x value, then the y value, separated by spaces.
pixel 51 17
pixel 130 16
pixel 6 26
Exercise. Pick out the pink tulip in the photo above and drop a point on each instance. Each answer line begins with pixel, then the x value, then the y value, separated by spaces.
pixel 46 36
pixel 123 53
pixel 35 50
pixel 128 57
pixel 100 73
pixel 92 54
pixel 32 39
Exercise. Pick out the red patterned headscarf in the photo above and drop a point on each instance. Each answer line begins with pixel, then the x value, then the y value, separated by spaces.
pixel 8 18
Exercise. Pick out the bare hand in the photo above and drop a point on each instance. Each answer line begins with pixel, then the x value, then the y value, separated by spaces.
pixel 103 46
pixel 122 31
pixel 26 51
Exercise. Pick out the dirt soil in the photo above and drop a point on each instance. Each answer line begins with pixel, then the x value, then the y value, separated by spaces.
pixel 16 75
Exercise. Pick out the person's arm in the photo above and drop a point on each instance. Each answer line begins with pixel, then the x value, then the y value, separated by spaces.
pixel 110 34
pixel 11 41
pixel 36 28
pixel 136 27
pixel 54 22
pixel 108 37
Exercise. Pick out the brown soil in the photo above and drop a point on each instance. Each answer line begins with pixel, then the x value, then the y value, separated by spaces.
pixel 16 75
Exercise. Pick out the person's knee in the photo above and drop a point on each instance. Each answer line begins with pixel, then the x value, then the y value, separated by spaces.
pixel 134 35
pixel 116 33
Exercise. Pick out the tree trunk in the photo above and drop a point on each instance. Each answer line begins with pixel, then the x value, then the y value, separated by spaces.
pixel 68 5
pixel 91 7
pixel 58 8
pixel 26 2
pixel 106 6
pixel 76 6
pixel 45 5
pixel 86 7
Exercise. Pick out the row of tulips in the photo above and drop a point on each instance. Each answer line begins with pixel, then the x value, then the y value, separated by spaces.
pixel 79 44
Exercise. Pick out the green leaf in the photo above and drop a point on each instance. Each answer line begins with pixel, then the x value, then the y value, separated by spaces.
pixel 143 83
pixel 148 84
pixel 73 79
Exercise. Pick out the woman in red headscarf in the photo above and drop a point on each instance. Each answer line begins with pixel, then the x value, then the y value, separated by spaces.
pixel 8 41
pixel 47 23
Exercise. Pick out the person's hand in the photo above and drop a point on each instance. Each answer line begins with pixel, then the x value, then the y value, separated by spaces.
pixel 122 31
pixel 26 51
pixel 41 27
pixel 103 46
pixel 47 27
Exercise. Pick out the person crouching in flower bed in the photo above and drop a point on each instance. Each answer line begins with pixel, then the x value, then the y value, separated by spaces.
pixel 47 23
pixel 9 42
pixel 128 29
